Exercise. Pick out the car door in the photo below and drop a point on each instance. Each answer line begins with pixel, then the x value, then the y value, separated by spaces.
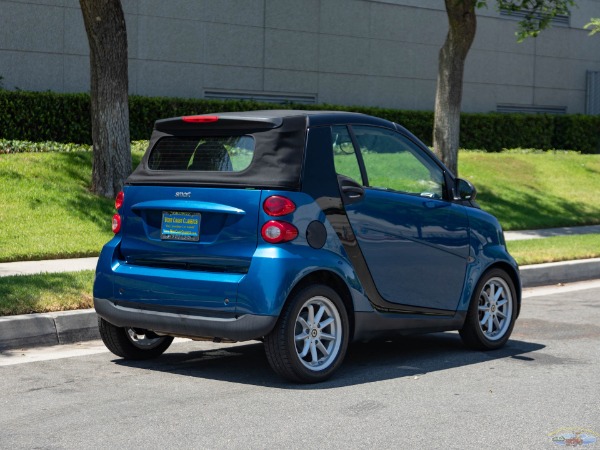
pixel 413 238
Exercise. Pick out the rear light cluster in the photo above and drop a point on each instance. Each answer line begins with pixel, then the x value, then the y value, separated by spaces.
pixel 119 200
pixel 278 231
pixel 116 220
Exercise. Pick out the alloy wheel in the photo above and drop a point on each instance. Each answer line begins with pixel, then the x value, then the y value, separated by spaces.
pixel 495 308
pixel 318 333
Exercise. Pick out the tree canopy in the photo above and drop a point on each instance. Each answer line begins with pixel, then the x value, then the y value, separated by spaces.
pixel 593 26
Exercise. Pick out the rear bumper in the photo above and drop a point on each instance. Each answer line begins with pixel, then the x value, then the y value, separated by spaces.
pixel 242 328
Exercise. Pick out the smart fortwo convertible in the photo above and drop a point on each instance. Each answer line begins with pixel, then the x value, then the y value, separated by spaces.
pixel 305 230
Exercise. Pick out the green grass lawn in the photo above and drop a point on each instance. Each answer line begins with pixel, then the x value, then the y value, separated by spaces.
pixel 552 249
pixel 47 208
pixel 49 212
pixel 25 294
pixel 530 190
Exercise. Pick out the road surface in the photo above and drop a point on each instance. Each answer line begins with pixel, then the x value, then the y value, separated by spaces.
pixel 420 392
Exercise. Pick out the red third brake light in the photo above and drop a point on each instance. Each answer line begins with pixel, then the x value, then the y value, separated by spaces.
pixel 276 232
pixel 276 206
pixel 200 119
pixel 119 200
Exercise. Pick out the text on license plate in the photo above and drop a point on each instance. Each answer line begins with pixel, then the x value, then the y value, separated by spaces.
pixel 180 226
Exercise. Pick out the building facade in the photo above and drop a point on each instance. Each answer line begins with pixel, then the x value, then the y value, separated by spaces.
pixel 350 52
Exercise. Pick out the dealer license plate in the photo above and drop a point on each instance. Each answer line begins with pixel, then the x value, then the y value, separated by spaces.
pixel 180 226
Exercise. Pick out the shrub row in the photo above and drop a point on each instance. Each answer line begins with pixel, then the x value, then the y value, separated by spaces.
pixel 47 116
pixel 18 146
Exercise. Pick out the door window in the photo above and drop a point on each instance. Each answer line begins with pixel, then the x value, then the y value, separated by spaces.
pixel 344 156
pixel 394 162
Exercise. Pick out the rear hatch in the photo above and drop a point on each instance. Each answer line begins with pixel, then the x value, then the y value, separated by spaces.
pixel 206 229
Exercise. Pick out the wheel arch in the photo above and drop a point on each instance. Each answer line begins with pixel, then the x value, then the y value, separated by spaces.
pixel 335 282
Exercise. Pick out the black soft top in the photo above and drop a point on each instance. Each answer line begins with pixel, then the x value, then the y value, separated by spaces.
pixel 279 135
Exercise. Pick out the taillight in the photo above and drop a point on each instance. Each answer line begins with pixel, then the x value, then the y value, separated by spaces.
pixel 276 206
pixel 119 200
pixel 116 220
pixel 116 223
pixel 275 232
pixel 200 119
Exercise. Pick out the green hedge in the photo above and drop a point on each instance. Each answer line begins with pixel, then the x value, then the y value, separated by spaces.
pixel 47 116
pixel 495 131
pixel 577 132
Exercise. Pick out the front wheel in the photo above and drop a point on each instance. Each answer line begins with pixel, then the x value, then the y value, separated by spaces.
pixel 132 343
pixel 310 339
pixel 492 312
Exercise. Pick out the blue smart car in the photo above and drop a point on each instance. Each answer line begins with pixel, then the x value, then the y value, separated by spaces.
pixel 306 230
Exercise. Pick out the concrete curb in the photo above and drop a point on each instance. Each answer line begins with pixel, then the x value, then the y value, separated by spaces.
pixel 32 330
pixel 560 272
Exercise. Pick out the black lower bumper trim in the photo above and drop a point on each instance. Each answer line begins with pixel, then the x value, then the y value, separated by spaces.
pixel 243 328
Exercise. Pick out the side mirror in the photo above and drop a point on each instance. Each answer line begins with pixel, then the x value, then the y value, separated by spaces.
pixel 464 190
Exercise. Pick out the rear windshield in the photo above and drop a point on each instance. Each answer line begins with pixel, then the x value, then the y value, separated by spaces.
pixel 207 154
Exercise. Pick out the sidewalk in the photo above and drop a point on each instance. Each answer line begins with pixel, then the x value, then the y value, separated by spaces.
pixel 73 326
pixel 550 232
pixel 48 266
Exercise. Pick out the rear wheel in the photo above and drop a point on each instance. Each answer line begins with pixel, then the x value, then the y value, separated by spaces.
pixel 132 343
pixel 492 312
pixel 310 339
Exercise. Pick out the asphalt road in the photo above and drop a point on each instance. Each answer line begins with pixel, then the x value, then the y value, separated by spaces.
pixel 424 392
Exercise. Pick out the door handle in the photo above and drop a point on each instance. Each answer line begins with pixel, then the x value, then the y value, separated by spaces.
pixel 353 191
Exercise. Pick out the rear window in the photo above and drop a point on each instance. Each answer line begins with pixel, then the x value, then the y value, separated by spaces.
pixel 206 154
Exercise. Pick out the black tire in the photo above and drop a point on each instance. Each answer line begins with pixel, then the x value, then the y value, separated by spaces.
pixel 323 341
pixel 492 312
pixel 128 343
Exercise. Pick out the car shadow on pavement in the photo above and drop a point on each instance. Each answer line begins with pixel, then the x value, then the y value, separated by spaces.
pixel 365 362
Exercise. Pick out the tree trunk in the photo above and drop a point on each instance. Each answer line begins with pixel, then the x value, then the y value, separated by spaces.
pixel 107 36
pixel 461 32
